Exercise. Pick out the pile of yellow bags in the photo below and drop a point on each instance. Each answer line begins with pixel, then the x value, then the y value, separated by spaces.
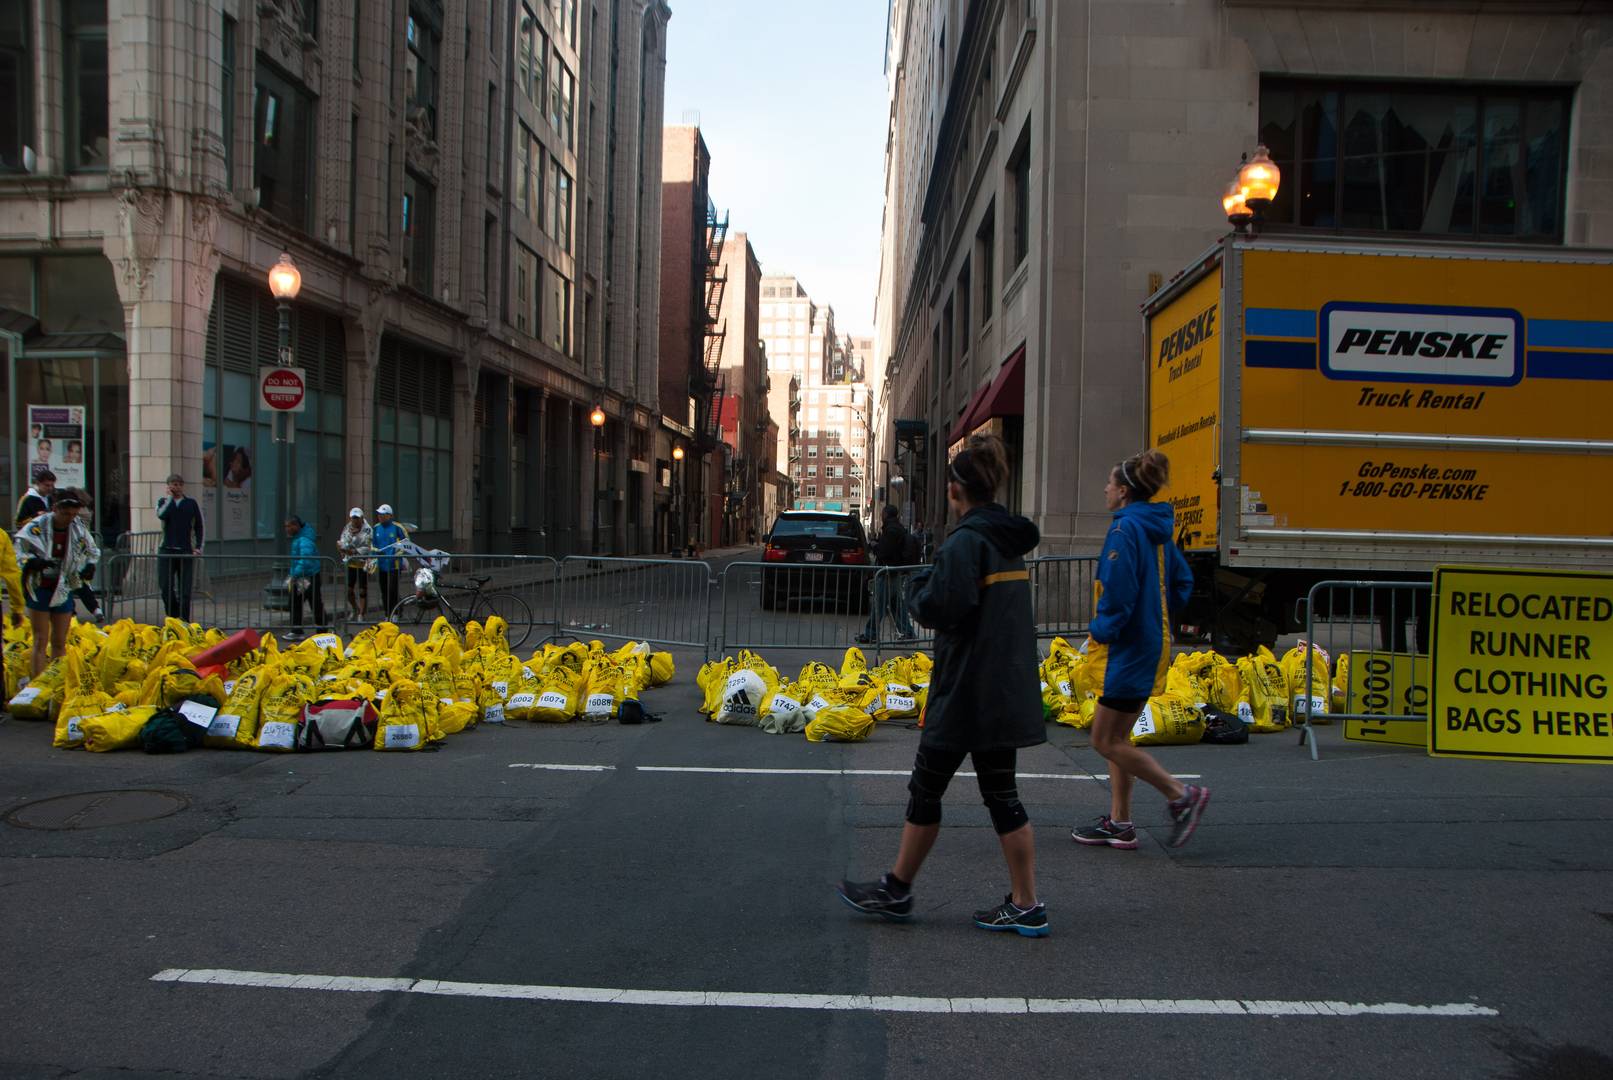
pixel 821 702
pixel 112 680
pixel 1268 694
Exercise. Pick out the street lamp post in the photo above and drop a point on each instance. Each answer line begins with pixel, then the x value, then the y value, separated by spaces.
pixel 677 498
pixel 597 418
pixel 285 282
pixel 1251 192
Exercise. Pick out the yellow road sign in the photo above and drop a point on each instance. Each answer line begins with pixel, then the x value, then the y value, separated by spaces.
pixel 1522 665
pixel 1388 684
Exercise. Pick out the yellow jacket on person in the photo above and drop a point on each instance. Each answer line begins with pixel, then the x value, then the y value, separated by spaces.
pixel 11 574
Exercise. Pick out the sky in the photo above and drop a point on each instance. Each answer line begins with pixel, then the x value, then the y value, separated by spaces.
pixel 791 102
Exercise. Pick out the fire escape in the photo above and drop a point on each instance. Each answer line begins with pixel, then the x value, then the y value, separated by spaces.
pixel 706 385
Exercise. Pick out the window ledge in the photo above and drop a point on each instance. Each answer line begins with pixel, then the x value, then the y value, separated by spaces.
pixel 1016 281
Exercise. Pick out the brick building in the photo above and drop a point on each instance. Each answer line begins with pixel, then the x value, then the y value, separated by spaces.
pixel 474 206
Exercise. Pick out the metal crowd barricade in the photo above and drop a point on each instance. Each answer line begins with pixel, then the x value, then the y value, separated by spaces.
pixel 662 601
pixel 777 606
pixel 230 592
pixel 1061 594
pixel 1383 626
pixel 115 577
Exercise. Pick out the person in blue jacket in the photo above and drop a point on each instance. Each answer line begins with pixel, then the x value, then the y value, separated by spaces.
pixel 386 539
pixel 1142 578
pixel 303 582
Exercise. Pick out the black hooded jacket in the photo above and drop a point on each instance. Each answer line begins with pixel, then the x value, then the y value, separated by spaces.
pixel 985 693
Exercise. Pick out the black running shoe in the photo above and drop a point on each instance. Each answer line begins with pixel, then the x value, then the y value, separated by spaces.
pixel 1030 922
pixel 876 898
pixel 1185 813
pixel 1104 833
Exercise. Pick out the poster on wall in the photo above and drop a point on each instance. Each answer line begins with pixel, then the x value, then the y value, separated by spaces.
pixel 56 442
pixel 227 489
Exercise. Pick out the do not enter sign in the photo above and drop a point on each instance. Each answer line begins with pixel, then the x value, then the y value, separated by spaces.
pixel 283 389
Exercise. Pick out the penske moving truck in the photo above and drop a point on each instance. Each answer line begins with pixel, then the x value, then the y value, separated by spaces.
pixel 1371 409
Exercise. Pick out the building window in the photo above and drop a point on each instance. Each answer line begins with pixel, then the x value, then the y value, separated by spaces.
pixel 16 86
pixel 812 451
pixel 1019 188
pixel 965 295
pixel 528 163
pixel 418 196
pixel 226 105
pixel 527 58
pixel 84 30
pixel 557 309
pixel 568 107
pixel 1487 161
pixel 423 32
pixel 565 19
pixel 986 260
pixel 562 206
pixel 414 430
pixel 526 289
pixel 834 491
pixel 562 88
pixel 283 121
pixel 812 491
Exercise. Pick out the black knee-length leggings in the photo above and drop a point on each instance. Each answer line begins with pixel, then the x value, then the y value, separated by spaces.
pixel 933 770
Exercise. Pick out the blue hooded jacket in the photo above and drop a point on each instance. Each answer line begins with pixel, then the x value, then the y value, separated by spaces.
pixel 1141 572
pixel 304 554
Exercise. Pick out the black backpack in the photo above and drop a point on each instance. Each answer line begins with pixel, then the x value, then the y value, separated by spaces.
pixel 1223 727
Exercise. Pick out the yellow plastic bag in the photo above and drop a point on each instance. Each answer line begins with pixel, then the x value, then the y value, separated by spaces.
pixel 280 710
pixel 839 723
pixel 1313 699
pixel 1266 708
pixel 662 669
pixel 236 725
pixel 457 716
pixel 712 679
pixel 894 701
pixel 38 700
pixel 1341 683
pixel 115 730
pixel 405 723
pixel 1168 720
pixel 74 711
pixel 556 701
pixel 607 685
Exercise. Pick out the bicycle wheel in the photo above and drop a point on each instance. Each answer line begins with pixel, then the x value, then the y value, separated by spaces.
pixel 414 616
pixel 512 609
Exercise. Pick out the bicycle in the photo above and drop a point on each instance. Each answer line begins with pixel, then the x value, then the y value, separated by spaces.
pixel 415 615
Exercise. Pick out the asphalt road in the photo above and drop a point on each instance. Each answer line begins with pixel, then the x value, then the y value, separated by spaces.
pixel 1375 875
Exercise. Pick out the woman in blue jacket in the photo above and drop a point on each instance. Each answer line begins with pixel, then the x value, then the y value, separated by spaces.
pixel 1142 577
pixel 304 580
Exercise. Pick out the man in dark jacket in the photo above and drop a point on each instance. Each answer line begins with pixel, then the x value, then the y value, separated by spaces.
pixel 182 535
pixel 890 593
pixel 36 500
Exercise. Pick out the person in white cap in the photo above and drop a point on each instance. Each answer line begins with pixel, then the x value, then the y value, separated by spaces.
pixel 386 536
pixel 353 544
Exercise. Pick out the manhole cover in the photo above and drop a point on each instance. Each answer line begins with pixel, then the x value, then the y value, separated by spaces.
pixel 96 809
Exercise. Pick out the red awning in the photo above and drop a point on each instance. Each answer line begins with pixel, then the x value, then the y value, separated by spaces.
pixel 1003 396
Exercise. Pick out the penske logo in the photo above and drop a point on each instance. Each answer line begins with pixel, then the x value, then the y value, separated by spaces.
pixel 1414 343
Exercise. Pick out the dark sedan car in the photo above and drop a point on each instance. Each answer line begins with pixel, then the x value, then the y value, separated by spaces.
pixel 816 555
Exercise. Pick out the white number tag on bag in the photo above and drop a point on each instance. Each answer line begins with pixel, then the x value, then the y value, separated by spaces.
pixel 600 704
pixel 277 733
pixel 493 714
pixel 402 736
pixel 224 726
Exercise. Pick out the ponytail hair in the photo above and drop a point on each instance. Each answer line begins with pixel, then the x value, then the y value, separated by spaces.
pixel 981 468
pixel 1144 474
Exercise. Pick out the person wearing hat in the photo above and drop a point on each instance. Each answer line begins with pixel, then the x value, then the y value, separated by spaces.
pixel 303 584
pixel 58 557
pixel 386 538
pixel 889 594
pixel 353 544
pixel 183 533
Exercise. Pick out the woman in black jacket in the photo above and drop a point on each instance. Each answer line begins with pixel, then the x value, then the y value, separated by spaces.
pixel 985 695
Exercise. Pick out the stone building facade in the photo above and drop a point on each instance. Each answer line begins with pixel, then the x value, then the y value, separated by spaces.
pixel 473 203
pixel 1049 163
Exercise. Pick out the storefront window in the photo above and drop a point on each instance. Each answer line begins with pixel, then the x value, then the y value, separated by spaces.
pixel 413 450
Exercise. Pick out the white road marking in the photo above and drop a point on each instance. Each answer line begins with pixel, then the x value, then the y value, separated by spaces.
pixel 807 772
pixel 729 999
